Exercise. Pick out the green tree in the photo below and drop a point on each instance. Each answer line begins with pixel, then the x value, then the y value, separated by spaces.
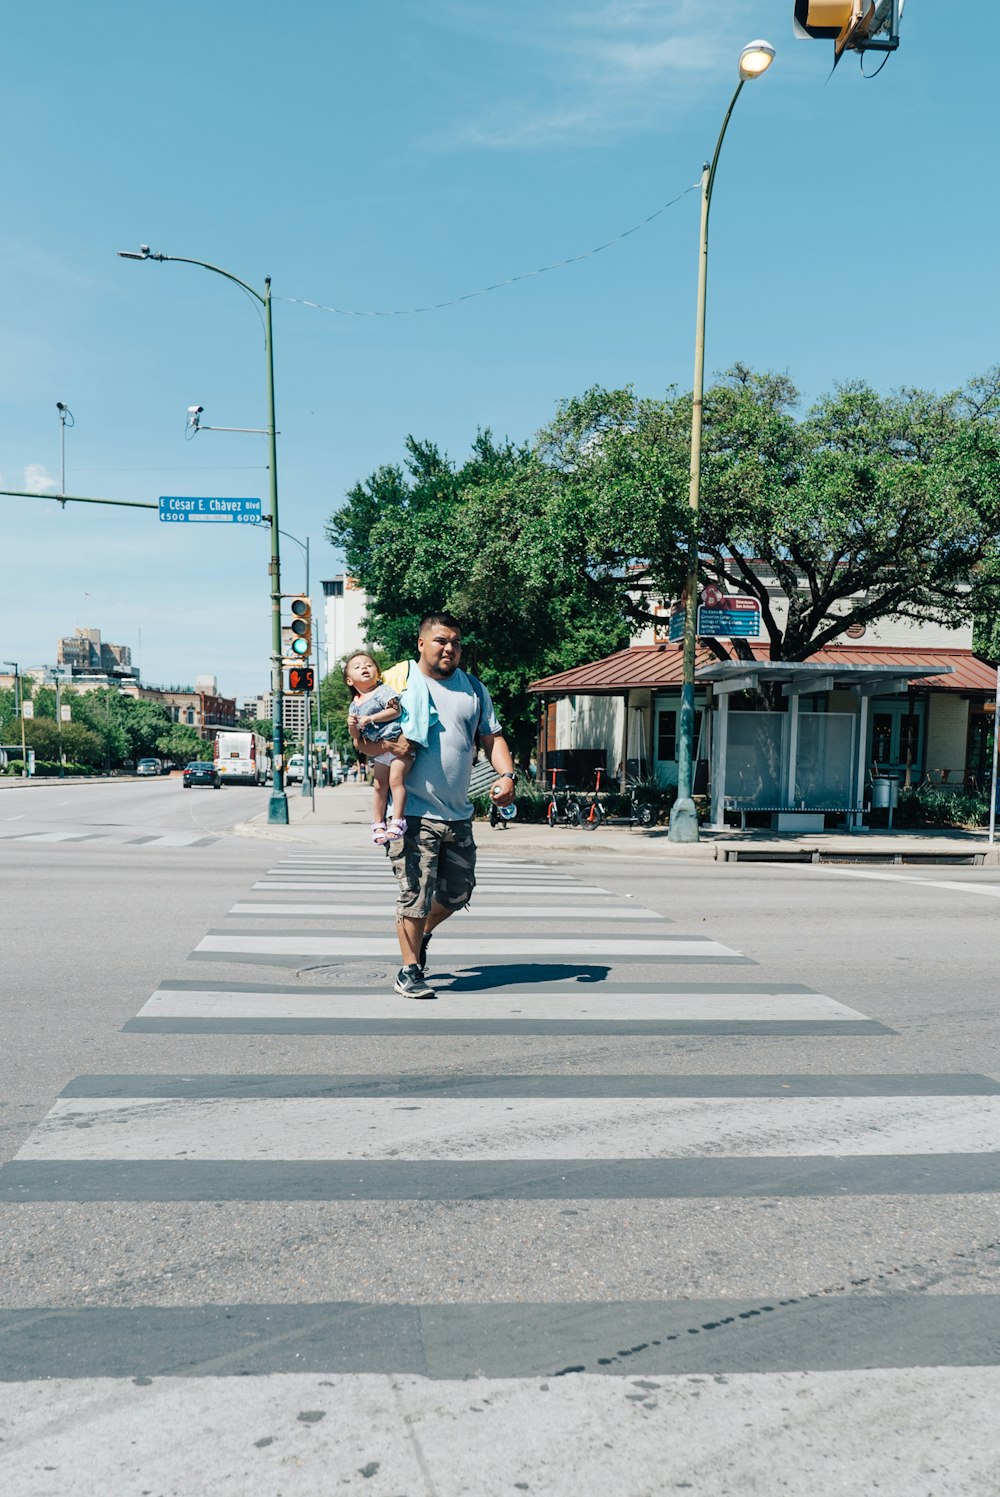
pixel 181 743
pixel 493 541
pixel 870 507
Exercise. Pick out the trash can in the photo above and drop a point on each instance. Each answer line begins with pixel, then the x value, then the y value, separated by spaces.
pixel 885 792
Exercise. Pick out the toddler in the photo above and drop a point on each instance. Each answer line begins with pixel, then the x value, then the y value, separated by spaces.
pixel 374 718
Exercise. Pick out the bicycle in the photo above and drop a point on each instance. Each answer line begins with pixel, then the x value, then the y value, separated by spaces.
pixel 641 813
pixel 569 813
pixel 595 813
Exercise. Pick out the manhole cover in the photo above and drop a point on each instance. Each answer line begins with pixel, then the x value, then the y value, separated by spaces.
pixel 345 974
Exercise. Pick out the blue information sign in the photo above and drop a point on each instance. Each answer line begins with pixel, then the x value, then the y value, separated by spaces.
pixel 176 508
pixel 735 618
pixel 675 629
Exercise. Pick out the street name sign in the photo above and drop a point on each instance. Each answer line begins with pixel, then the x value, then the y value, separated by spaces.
pixel 176 508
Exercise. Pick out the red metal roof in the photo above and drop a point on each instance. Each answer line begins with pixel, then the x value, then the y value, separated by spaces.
pixel 660 666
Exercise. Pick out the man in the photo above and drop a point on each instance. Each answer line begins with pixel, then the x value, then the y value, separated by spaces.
pixel 435 860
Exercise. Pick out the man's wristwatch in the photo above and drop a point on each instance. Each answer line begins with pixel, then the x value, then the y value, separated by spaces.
pixel 506 774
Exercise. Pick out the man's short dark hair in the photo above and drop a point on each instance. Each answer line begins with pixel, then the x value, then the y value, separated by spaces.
pixel 447 619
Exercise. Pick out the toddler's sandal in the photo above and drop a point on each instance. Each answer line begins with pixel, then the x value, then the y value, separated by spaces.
pixel 380 834
pixel 396 828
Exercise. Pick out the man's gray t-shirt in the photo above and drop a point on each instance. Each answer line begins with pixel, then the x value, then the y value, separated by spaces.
pixel 438 783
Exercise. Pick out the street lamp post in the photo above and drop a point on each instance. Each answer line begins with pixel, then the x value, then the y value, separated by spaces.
pixel 19 712
pixel 755 59
pixel 277 807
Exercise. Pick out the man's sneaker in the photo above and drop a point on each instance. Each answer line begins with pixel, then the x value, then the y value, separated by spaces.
pixel 410 983
pixel 424 943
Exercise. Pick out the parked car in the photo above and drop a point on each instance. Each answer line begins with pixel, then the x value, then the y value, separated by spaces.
pixel 295 769
pixel 149 767
pixel 200 772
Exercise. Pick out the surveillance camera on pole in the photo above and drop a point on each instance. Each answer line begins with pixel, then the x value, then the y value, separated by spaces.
pixel 194 417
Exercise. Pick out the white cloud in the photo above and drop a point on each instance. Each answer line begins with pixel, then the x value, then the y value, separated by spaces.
pixel 593 71
pixel 37 479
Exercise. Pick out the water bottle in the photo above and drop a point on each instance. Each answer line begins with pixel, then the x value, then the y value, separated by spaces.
pixel 507 813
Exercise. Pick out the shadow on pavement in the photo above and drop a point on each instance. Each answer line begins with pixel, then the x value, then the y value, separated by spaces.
pixel 475 979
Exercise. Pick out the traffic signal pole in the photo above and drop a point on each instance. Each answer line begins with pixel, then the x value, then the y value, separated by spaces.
pixel 277 806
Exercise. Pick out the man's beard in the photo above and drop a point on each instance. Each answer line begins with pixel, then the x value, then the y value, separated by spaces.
pixel 445 669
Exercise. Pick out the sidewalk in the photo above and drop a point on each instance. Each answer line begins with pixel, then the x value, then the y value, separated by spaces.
pixel 342 819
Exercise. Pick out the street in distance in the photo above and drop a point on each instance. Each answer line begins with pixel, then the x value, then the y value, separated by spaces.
pixel 178 507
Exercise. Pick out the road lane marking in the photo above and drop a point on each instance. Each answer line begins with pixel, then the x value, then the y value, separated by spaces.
pixel 513 949
pixel 510 1128
pixel 992 890
pixel 498 1004
pixel 611 913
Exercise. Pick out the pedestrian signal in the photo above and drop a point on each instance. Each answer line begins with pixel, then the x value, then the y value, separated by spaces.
pixel 301 678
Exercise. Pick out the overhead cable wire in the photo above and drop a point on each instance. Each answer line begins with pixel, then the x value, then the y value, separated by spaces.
pixel 525 275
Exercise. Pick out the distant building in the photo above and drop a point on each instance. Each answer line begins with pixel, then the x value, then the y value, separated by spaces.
pixel 205 711
pixel 86 654
pixel 344 615
pixel 293 711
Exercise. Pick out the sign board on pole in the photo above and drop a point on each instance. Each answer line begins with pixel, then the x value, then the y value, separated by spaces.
pixel 27 710
pixel 176 508
pixel 321 738
pixel 734 618
pixel 65 713
pixel 675 628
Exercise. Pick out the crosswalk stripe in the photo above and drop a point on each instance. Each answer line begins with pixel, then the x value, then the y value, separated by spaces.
pixel 386 880
pixel 504 1129
pixel 668 948
pixel 691 1007
pixel 500 912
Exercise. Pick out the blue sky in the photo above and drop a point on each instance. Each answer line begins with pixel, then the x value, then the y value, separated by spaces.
pixel 383 155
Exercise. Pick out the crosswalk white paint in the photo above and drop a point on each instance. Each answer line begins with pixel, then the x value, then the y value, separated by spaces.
pixel 898 1432
pixel 500 912
pixel 345 884
pixel 212 1003
pixel 956 885
pixel 359 947
pixel 515 1128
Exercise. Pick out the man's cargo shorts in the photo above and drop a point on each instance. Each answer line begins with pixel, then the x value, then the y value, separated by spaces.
pixel 433 860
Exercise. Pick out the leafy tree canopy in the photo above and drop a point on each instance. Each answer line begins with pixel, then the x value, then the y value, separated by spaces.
pixel 492 541
pixel 869 507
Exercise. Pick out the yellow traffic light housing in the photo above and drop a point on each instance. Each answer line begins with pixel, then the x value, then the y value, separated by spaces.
pixel 296 631
pixel 852 25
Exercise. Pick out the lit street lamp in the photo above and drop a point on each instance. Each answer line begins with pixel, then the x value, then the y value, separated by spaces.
pixel 755 59
pixel 277 808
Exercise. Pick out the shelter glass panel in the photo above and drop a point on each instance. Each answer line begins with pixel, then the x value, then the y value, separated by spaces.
pixel 755 753
pixel 825 760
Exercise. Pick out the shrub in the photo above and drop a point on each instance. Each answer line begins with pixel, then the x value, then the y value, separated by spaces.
pixel 930 806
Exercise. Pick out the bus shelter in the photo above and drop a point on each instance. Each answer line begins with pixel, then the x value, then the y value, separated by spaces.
pixel 802 761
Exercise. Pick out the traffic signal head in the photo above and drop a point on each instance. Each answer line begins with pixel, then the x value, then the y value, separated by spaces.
pixel 301 678
pixel 296 633
pixel 858 25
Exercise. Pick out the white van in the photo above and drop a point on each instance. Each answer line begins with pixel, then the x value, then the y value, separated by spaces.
pixel 295 769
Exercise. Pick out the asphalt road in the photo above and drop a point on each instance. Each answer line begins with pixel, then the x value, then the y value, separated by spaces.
pixel 688 1180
